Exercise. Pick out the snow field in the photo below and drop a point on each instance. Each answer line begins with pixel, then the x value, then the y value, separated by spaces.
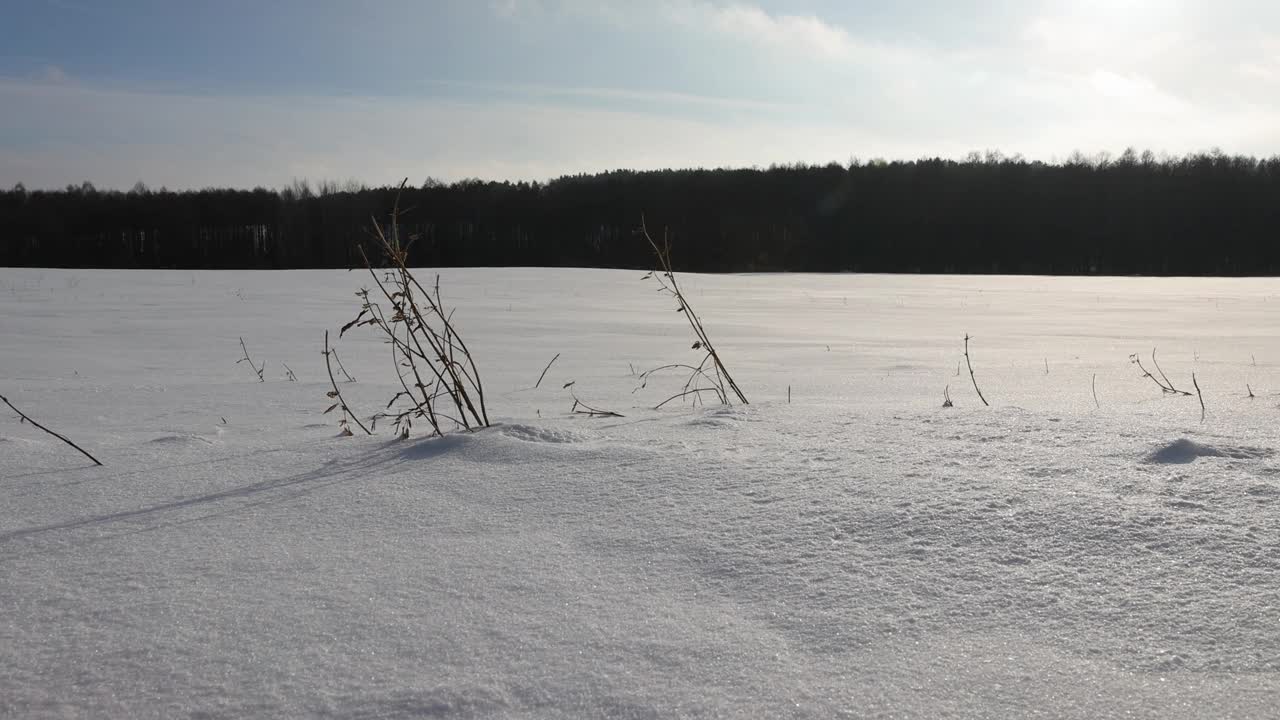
pixel 859 552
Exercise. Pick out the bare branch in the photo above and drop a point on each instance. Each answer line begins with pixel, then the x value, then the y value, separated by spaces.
pixel 26 418
pixel 971 376
pixel 590 411
pixel 544 371
pixel 721 382
pixel 1198 395
pixel 342 369
pixel 336 393
pixel 256 369
pixel 1166 386
pixel 1166 377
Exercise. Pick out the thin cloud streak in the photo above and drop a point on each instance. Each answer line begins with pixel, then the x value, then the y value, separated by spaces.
pixel 793 33
pixel 198 142
pixel 605 95
pixel 115 138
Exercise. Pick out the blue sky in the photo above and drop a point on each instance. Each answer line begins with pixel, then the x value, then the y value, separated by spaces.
pixel 238 93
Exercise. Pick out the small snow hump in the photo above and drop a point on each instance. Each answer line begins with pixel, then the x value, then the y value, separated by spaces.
pixel 183 439
pixel 536 434
pixel 1183 451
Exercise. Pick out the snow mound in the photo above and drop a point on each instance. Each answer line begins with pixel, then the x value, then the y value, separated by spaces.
pixel 181 439
pixel 432 447
pixel 19 440
pixel 1183 451
pixel 537 434
pixel 719 417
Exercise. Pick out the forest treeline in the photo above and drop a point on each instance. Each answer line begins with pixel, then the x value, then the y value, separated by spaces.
pixel 1201 214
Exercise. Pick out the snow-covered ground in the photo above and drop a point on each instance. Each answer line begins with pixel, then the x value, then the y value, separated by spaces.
pixel 857 552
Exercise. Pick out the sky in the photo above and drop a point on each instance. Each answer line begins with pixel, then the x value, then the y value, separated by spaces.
pixel 242 93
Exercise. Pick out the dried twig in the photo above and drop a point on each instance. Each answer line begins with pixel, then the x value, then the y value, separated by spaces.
pixel 544 371
pixel 709 375
pixel 256 369
pixel 590 411
pixel 1094 385
pixel 1251 395
pixel 1166 377
pixel 698 382
pixel 289 373
pixel 946 397
pixel 1166 386
pixel 25 418
pixel 341 369
pixel 1198 395
pixel 971 376
pixel 335 393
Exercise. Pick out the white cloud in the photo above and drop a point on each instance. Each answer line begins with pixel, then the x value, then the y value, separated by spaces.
pixel 53 75
pixel 514 9
pixel 642 98
pixel 805 34
pixel 116 138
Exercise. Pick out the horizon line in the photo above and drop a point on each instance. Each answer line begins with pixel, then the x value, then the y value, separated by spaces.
pixel 1099 159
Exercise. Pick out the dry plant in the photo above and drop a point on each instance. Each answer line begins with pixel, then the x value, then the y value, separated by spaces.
pixel 946 397
pixel 1198 395
pixel 545 369
pixel 288 373
pixel 971 376
pixel 581 408
pixel 257 369
pixel 1166 386
pixel 23 417
pixel 336 394
pixel 337 360
pixel 437 373
pixel 709 375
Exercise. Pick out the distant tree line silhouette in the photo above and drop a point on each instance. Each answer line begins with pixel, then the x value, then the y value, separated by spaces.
pixel 1200 214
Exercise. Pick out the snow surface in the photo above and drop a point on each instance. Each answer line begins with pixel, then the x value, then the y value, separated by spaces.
pixel 858 552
